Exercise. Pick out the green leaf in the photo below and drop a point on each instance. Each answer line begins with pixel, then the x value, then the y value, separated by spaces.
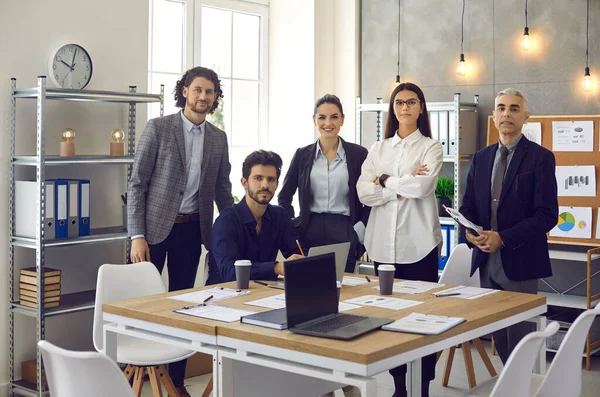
pixel 445 187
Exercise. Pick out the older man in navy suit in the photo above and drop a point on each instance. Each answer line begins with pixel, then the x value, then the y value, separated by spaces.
pixel 511 192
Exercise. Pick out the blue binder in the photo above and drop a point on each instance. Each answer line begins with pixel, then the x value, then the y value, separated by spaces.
pixel 84 207
pixel 61 207
pixel 445 247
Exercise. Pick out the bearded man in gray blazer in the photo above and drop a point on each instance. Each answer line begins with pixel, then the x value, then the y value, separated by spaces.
pixel 181 167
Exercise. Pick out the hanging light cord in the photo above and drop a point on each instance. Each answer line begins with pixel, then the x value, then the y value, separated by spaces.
pixel 462 28
pixel 587 35
pixel 526 23
pixel 399 20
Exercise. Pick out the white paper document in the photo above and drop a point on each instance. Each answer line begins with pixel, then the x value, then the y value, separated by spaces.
pixel 425 324
pixel 278 302
pixel 597 223
pixel 354 281
pixel 217 294
pixel 573 222
pixel 463 292
pixel 413 287
pixel 573 136
pixel 215 312
pixel 382 301
pixel 533 132
pixel 576 180
pixel 460 218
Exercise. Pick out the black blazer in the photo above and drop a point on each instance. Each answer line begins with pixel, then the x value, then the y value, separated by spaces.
pixel 528 208
pixel 298 177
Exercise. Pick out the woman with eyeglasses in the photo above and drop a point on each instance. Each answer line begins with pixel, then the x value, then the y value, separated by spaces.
pixel 398 182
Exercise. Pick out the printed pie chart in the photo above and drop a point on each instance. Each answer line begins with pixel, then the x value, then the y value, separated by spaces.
pixel 566 221
pixel 582 224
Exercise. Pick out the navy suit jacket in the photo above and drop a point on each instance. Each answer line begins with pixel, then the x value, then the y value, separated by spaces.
pixel 528 208
pixel 298 178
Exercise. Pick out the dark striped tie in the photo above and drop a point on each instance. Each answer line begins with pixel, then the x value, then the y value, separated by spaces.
pixel 497 185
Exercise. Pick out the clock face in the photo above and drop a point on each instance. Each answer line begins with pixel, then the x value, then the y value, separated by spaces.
pixel 70 67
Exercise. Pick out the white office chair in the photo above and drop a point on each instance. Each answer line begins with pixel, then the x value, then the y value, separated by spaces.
pixel 76 374
pixel 117 282
pixel 515 378
pixel 457 271
pixel 563 378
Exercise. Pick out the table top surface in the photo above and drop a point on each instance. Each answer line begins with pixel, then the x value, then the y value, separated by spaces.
pixel 366 349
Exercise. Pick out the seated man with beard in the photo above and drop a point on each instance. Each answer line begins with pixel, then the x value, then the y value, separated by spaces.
pixel 253 229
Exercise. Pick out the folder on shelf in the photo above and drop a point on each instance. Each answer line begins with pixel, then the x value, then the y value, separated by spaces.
pixel 32 279
pixel 47 305
pixel 61 208
pixel 33 294
pixel 452 243
pixel 84 207
pixel 73 228
pixel 434 125
pixel 444 254
pixel 452 135
pixel 48 271
pixel 33 287
pixel 26 210
pixel 444 133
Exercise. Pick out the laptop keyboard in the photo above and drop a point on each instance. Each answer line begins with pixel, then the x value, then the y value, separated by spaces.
pixel 334 323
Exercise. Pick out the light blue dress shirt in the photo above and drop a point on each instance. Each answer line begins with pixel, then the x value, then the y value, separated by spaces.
pixel 194 150
pixel 329 183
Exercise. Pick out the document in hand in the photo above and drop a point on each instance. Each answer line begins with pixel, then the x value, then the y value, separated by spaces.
pixel 460 218
pixel 424 324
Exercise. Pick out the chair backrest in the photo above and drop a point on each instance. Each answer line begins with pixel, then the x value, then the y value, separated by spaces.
pixel 116 282
pixel 458 268
pixel 563 378
pixel 76 374
pixel 515 379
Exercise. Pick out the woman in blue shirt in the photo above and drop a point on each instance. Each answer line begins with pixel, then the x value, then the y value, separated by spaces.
pixel 325 174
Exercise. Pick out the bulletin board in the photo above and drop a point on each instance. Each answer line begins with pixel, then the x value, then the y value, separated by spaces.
pixel 564 159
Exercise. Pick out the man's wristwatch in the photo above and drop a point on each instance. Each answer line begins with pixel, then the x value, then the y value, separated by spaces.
pixel 382 179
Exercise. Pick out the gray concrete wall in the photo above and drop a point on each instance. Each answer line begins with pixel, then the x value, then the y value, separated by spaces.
pixel 550 75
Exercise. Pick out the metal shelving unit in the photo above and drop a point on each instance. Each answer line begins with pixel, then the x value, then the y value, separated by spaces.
pixel 458 108
pixel 75 302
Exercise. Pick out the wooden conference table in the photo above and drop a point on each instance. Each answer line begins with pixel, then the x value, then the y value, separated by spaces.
pixel 255 361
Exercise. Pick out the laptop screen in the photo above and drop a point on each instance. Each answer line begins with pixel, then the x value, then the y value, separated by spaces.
pixel 310 288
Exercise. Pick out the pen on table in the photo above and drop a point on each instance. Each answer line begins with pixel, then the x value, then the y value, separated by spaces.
pixel 206 300
pixel 261 283
pixel 300 248
pixel 448 294
pixel 368 279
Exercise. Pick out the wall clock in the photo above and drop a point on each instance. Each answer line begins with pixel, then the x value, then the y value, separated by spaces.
pixel 70 66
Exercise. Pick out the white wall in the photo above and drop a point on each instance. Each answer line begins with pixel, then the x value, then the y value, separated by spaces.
pixel 115 33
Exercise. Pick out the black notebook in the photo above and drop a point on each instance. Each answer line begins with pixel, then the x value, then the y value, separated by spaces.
pixel 276 319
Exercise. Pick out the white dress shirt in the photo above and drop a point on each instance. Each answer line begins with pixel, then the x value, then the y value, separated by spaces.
pixel 194 150
pixel 329 183
pixel 404 225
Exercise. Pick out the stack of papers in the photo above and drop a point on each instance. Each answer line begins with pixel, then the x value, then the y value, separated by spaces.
pixel 354 281
pixel 463 292
pixel 278 302
pixel 425 324
pixel 217 293
pixel 413 287
pixel 215 312
pixel 380 301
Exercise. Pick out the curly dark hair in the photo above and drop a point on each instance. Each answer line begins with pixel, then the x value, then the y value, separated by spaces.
pixel 187 79
pixel 261 157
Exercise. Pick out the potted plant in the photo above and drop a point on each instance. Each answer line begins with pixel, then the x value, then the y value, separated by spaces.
pixel 444 192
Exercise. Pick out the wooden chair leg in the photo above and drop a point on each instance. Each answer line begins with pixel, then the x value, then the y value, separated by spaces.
pixel 209 388
pixel 128 372
pixel 493 347
pixel 166 380
pixel 138 381
pixel 466 348
pixel 448 366
pixel 484 356
pixel 154 382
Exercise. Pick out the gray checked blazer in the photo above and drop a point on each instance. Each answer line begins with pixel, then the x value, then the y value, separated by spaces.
pixel 158 179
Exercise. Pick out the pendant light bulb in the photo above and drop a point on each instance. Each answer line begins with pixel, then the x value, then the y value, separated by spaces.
pixel 462 66
pixel 397 80
pixel 588 83
pixel 526 41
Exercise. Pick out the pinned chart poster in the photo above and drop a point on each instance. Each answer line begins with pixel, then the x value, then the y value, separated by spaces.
pixel 576 181
pixel 573 136
pixel 573 222
pixel 533 132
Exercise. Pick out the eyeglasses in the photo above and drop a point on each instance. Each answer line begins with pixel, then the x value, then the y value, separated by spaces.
pixel 410 103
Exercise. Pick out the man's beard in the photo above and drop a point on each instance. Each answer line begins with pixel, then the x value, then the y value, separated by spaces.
pixel 254 196
pixel 197 107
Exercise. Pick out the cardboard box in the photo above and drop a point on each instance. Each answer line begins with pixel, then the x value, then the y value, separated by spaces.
pixel 29 372
pixel 198 364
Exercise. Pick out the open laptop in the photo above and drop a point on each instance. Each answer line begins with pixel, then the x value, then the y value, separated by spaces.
pixel 312 304
pixel 340 250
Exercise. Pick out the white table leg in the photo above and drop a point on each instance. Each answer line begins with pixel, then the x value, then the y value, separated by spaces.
pixel 110 342
pixel 413 378
pixel 224 376
pixel 369 389
pixel 540 365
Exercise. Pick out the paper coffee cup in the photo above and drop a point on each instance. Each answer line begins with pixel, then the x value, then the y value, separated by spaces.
pixel 242 273
pixel 386 279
